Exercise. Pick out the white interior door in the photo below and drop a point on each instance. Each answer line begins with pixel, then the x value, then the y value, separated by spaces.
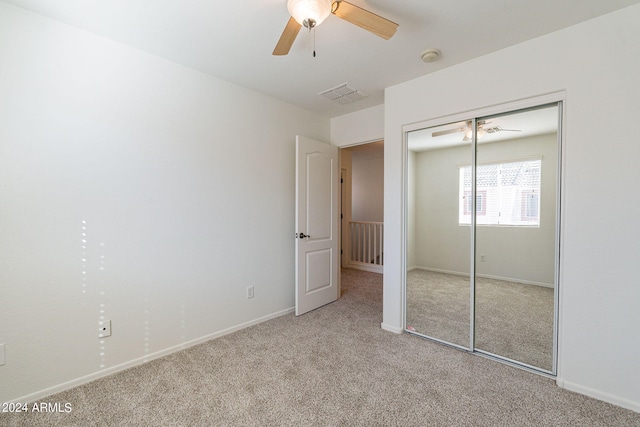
pixel 317 213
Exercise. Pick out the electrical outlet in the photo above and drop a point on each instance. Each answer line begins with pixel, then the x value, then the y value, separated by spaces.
pixel 2 358
pixel 481 258
pixel 249 292
pixel 104 329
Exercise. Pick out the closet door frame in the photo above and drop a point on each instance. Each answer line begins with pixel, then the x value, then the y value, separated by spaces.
pixel 557 98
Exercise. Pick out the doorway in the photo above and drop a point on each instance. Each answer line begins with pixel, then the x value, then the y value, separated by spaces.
pixel 362 221
pixel 362 207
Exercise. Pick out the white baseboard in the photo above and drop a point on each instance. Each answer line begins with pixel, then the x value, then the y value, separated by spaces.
pixel 366 267
pixel 144 359
pixel 605 397
pixel 484 276
pixel 439 270
pixel 510 279
pixel 390 328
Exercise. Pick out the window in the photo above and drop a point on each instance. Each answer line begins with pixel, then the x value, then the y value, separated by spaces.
pixel 506 194
pixel 481 203
pixel 530 205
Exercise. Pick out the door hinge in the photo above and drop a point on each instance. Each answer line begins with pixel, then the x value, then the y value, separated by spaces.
pixel 340 251
pixel 341 216
pixel 341 180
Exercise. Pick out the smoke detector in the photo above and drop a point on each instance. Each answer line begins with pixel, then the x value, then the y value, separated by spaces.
pixel 430 55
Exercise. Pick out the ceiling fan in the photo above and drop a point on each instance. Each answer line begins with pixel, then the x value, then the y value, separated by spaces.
pixel 482 130
pixel 311 13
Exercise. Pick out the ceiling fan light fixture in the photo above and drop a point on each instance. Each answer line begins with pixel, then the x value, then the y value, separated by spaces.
pixel 309 13
pixel 469 133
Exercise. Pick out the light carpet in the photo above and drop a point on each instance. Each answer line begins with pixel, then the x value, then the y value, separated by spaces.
pixel 331 367
pixel 513 320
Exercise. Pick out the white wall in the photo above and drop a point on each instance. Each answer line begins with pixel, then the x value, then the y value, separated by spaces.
pixel 358 127
pixel 596 65
pixel 521 254
pixel 136 190
pixel 367 185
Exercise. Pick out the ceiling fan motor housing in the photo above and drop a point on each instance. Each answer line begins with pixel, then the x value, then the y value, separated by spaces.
pixel 311 13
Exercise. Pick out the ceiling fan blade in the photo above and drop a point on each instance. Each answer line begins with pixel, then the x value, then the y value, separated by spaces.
pixel 496 129
pixel 447 132
pixel 364 19
pixel 287 38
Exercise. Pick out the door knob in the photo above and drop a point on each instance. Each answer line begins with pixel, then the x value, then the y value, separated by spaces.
pixel 302 235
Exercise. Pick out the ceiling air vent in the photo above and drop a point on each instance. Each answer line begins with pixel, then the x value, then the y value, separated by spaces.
pixel 343 94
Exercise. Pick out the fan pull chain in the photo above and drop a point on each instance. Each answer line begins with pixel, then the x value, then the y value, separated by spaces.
pixel 312 37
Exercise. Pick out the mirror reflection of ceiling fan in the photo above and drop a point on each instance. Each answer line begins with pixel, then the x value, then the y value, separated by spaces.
pixel 311 13
pixel 483 129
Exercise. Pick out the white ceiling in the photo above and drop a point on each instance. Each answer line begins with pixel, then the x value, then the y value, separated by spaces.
pixel 233 39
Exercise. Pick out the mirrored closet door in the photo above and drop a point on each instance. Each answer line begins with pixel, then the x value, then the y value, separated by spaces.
pixel 438 252
pixel 482 234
